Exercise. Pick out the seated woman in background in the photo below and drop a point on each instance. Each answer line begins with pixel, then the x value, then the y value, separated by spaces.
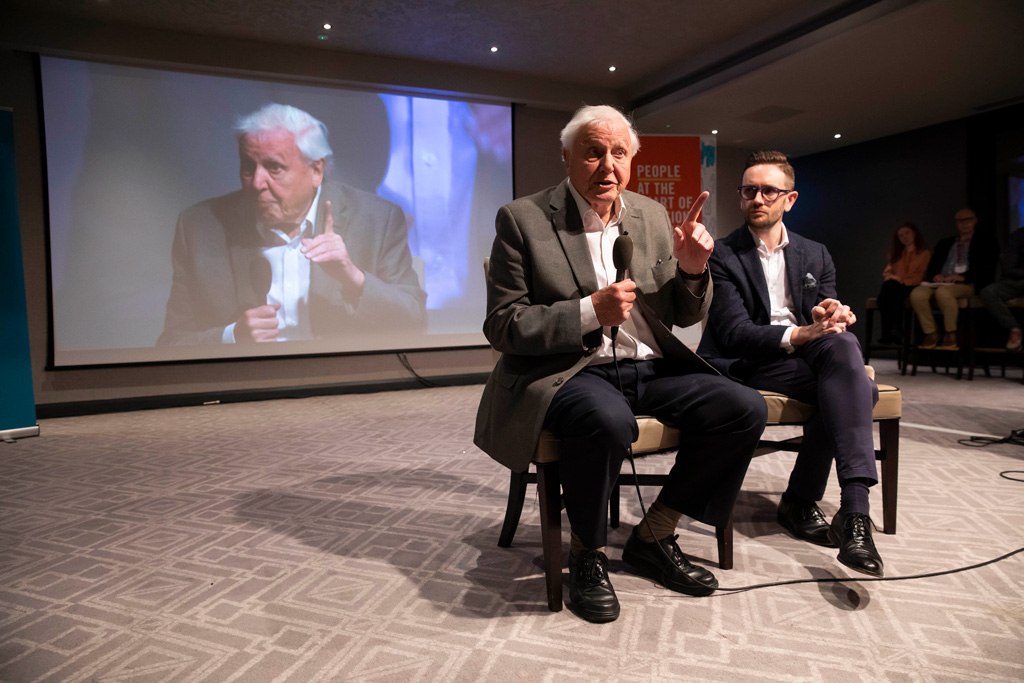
pixel 908 261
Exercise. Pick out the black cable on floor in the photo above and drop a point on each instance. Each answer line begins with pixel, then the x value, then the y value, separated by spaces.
pixel 929 575
pixel 404 360
pixel 1016 438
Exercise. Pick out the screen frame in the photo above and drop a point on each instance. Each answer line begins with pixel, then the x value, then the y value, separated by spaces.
pixel 259 78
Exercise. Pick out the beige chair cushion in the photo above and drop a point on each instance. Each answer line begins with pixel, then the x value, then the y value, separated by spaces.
pixel 783 410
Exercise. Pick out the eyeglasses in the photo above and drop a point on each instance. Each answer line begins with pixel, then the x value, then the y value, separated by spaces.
pixel 769 193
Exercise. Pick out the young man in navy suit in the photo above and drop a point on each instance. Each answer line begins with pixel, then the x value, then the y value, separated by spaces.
pixel 775 323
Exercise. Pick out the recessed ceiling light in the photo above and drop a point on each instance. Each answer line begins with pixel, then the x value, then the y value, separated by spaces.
pixel 611 68
pixel 837 136
pixel 494 48
pixel 327 26
pixel 714 131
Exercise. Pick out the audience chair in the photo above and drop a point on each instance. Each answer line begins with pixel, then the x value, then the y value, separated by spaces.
pixel 964 339
pixel 989 355
pixel 903 350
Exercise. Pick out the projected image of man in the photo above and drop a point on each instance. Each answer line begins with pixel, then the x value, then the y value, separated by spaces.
pixel 290 256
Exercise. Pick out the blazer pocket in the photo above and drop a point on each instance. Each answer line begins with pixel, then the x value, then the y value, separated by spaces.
pixel 663 271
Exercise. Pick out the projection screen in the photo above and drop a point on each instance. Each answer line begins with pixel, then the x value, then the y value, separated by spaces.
pixel 164 227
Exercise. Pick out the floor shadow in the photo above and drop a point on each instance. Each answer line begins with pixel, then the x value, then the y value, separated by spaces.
pixel 394 515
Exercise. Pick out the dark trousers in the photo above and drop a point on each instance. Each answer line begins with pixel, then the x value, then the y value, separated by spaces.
pixel 829 373
pixel 891 300
pixel 720 423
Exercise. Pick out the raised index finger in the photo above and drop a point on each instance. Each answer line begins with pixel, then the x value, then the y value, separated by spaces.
pixel 694 213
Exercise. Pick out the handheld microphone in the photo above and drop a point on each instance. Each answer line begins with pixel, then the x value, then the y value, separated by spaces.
pixel 622 255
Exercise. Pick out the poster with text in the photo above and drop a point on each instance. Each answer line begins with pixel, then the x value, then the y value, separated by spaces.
pixel 674 170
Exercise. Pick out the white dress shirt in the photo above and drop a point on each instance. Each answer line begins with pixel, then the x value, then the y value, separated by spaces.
pixel 289 278
pixel 781 301
pixel 635 339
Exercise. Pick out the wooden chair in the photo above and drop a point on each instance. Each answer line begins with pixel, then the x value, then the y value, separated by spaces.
pixel 656 437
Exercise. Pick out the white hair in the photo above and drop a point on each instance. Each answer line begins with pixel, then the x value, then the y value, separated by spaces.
pixel 309 133
pixel 597 115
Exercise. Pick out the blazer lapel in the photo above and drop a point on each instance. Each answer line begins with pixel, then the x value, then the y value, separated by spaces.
pixel 752 266
pixel 794 278
pixel 252 274
pixel 568 225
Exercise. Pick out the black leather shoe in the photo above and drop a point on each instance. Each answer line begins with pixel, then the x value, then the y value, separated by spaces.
pixel 852 533
pixel 806 522
pixel 591 595
pixel 666 564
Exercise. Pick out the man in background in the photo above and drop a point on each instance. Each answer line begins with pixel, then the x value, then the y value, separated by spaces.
pixel 290 256
pixel 960 265
pixel 776 324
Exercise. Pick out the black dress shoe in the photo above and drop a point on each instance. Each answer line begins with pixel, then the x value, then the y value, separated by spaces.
pixel 666 564
pixel 852 533
pixel 591 595
pixel 806 522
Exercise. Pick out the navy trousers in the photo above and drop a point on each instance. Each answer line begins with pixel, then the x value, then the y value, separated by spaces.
pixel 829 373
pixel 720 423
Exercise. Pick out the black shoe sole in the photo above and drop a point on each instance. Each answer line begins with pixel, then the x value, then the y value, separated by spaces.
pixel 593 617
pixel 653 572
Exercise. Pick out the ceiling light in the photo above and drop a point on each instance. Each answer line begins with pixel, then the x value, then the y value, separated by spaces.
pixel 837 136
pixel 494 48
pixel 714 131
pixel 327 26
pixel 611 68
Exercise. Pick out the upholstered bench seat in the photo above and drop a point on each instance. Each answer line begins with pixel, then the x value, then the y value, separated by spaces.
pixel 655 437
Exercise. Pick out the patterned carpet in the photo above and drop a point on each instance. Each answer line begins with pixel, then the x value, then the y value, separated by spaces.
pixel 353 538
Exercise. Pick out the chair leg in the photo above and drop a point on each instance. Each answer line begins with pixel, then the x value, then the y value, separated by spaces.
pixel 889 446
pixel 723 534
pixel 514 508
pixel 551 532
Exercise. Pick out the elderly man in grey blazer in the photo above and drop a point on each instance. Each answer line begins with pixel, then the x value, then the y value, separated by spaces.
pixel 552 305
pixel 290 256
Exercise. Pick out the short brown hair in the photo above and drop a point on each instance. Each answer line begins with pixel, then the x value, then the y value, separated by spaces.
pixel 775 159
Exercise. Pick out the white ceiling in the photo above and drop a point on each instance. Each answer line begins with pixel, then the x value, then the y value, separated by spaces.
pixel 782 73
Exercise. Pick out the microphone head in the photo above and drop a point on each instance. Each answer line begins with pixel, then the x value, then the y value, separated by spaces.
pixel 622 252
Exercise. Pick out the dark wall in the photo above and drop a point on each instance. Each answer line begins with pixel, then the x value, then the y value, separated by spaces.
pixel 852 199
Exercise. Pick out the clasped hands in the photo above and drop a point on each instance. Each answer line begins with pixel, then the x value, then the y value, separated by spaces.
pixel 831 316
pixel 692 245
pixel 328 249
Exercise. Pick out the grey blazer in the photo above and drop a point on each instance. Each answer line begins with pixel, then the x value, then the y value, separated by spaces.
pixel 539 270
pixel 217 254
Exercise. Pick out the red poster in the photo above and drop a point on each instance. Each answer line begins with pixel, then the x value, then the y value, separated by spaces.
pixel 668 169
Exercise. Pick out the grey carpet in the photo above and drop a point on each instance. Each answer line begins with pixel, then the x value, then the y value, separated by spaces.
pixel 353 538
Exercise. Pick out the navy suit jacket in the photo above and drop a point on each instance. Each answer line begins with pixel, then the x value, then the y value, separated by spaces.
pixel 739 322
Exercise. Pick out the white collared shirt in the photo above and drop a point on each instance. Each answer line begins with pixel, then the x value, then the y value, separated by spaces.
pixel 779 297
pixel 289 278
pixel 635 339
